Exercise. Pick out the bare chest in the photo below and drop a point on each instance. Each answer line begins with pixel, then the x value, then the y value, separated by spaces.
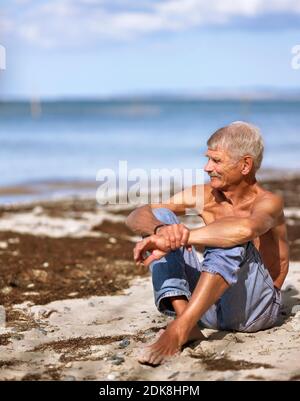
pixel 215 211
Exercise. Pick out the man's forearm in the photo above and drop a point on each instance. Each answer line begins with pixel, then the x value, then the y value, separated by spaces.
pixel 142 221
pixel 224 233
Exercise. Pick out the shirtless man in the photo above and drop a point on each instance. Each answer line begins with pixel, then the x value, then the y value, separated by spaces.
pixel 246 256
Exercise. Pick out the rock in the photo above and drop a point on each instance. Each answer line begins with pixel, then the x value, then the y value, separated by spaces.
pixel 124 343
pixel 31 285
pixel 91 304
pixel 3 245
pixel 2 316
pixel 40 275
pixel 116 360
pixel 6 290
pixel 72 294
pixel 18 336
pixel 43 331
pixel 112 240
pixel 295 309
pixel 46 264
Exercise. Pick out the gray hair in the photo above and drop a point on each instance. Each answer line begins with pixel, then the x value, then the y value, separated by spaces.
pixel 239 139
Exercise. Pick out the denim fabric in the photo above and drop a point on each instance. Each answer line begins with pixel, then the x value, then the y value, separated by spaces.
pixel 251 303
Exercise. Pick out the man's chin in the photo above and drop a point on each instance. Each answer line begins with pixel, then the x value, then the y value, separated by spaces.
pixel 215 182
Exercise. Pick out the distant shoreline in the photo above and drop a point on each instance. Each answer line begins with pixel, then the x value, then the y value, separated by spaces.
pixel 205 95
pixel 32 191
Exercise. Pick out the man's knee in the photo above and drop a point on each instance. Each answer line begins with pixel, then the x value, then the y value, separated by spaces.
pixel 165 215
pixel 224 261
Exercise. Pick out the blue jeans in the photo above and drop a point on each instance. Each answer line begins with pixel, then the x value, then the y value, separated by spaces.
pixel 251 302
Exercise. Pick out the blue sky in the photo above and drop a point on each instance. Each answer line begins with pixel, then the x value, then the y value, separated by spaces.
pixel 82 48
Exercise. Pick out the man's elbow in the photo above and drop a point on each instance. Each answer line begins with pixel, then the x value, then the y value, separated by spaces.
pixel 129 220
pixel 248 230
pixel 254 229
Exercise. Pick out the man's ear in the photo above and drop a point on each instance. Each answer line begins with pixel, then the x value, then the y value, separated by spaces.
pixel 247 165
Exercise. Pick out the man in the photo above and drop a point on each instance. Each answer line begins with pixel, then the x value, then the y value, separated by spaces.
pixel 246 256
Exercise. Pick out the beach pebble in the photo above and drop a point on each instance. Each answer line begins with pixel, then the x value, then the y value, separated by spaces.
pixel 112 240
pixel 295 309
pixel 31 285
pixel 116 360
pixel 72 294
pixel 68 365
pixel 124 343
pixel 112 376
pixel 40 275
pixel 6 290
pixel 3 245
pixel 2 316
pixel 31 293
pixel 18 336
pixel 43 331
pixel 46 264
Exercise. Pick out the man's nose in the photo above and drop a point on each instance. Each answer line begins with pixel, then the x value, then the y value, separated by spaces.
pixel 208 167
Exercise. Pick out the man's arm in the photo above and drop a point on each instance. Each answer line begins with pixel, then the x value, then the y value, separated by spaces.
pixel 143 222
pixel 231 231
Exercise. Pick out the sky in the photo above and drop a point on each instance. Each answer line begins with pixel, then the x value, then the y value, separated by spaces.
pixel 100 48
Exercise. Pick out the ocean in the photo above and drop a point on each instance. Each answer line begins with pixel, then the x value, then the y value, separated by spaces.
pixel 72 140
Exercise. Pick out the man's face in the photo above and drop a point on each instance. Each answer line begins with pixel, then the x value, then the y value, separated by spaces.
pixel 222 169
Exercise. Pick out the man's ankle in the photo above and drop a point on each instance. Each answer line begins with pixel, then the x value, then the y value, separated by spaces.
pixel 179 304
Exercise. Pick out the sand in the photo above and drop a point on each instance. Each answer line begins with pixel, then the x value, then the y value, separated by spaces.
pixel 75 307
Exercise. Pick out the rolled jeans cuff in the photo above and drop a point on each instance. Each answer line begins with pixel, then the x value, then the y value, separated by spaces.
pixel 168 294
pixel 229 276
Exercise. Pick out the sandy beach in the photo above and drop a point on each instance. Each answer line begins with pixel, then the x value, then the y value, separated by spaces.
pixel 75 307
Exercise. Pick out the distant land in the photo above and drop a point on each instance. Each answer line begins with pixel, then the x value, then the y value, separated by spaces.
pixel 207 94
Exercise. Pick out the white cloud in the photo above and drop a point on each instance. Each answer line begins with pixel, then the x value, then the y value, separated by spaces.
pixel 78 22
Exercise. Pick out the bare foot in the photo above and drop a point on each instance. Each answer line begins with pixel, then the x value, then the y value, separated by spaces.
pixel 196 334
pixel 168 344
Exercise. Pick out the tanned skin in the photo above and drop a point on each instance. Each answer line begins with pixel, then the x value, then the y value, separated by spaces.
pixel 236 209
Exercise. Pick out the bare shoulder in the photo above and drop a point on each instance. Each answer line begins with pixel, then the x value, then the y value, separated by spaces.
pixel 267 200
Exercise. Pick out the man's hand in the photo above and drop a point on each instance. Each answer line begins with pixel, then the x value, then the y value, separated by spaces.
pixel 156 244
pixel 175 235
